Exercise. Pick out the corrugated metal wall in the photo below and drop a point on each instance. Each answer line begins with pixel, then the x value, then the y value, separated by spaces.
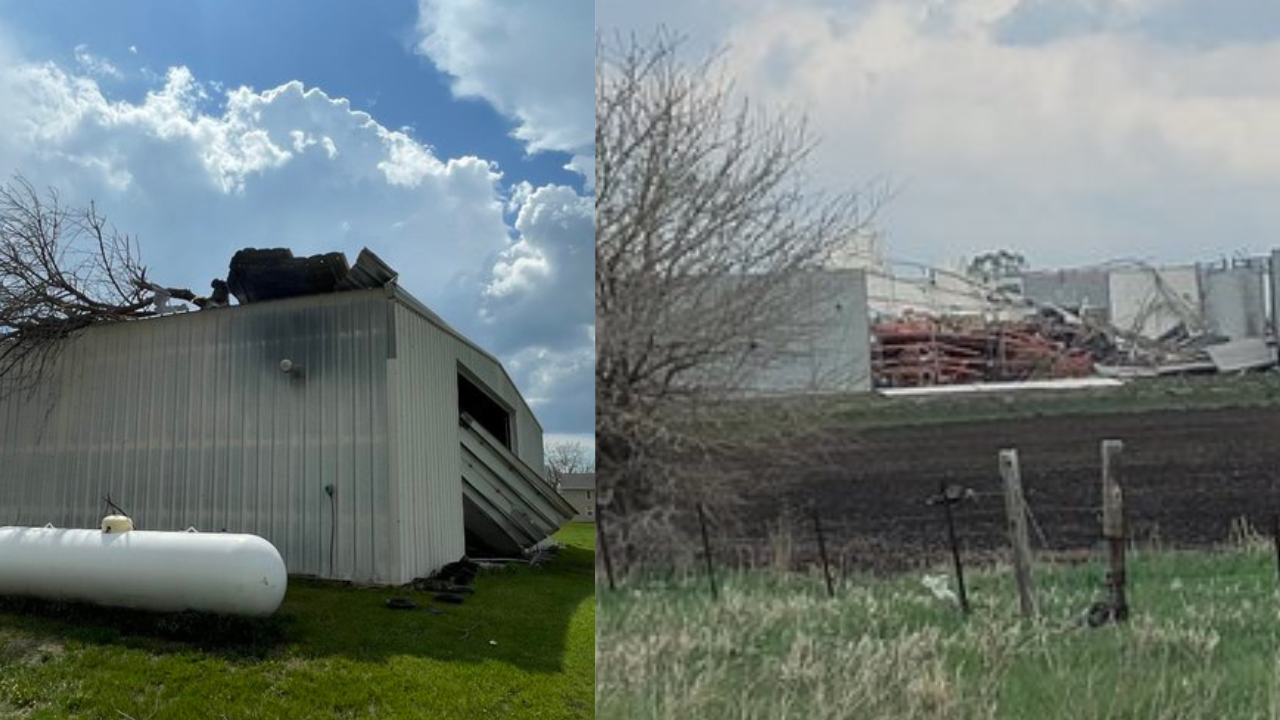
pixel 426 473
pixel 187 420
pixel 423 398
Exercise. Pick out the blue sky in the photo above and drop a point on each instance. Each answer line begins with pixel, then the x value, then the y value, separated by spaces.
pixel 453 138
pixel 1076 131
pixel 360 51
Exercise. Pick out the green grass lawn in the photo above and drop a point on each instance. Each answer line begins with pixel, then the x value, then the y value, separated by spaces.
pixel 522 647
pixel 1202 643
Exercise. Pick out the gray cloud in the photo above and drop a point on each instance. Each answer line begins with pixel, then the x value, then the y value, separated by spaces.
pixel 1112 137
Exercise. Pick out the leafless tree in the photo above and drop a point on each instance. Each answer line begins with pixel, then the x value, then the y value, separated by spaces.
pixel 568 457
pixel 62 269
pixel 706 225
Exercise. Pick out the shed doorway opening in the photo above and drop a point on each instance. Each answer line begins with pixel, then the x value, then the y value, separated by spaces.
pixel 493 417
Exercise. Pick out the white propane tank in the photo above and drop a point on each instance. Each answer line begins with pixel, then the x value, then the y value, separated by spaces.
pixel 230 574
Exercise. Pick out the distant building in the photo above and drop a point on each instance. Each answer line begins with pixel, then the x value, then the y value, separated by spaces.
pixel 580 490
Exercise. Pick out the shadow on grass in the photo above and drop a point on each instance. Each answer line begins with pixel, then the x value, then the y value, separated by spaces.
pixel 230 637
pixel 523 616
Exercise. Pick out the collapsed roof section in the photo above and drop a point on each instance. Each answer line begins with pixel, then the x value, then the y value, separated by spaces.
pixel 274 274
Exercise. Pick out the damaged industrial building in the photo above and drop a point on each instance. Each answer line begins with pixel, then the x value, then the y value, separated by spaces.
pixel 329 412
pixel 868 324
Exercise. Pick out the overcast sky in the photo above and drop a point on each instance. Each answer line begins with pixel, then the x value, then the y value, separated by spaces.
pixel 1075 131
pixel 453 138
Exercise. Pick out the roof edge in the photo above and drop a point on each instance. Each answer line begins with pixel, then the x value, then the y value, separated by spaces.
pixel 413 304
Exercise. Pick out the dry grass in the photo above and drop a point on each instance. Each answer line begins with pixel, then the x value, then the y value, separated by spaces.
pixel 1202 644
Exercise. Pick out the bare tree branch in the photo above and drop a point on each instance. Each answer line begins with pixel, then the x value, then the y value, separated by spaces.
pixel 568 457
pixel 705 226
pixel 61 270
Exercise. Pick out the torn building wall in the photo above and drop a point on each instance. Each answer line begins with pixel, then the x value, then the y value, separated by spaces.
pixel 1234 301
pixel 1275 293
pixel 1151 302
pixel 1084 291
pixel 933 291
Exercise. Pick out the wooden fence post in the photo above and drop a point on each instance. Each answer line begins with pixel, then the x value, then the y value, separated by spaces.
pixel 1016 511
pixel 706 551
pixel 1113 526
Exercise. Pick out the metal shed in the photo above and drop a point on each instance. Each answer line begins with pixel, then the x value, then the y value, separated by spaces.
pixel 191 420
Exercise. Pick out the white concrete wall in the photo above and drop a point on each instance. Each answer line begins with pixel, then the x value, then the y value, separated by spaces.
pixel 1235 301
pixel 826 346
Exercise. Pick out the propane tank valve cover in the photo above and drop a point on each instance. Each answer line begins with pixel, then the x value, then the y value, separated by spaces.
pixel 116 524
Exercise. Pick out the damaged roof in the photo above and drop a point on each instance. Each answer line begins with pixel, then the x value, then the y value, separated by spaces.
pixel 274 274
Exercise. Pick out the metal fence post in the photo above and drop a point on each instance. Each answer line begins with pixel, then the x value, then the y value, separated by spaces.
pixel 947 496
pixel 822 551
pixel 706 551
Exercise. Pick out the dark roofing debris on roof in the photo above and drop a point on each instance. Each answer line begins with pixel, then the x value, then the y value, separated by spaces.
pixel 273 274
pixel 578 481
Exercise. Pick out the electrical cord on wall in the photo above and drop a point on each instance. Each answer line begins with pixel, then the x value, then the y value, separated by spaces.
pixel 333 523
pixel 112 506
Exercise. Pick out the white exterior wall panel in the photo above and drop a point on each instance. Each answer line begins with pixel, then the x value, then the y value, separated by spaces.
pixel 427 472
pixel 188 421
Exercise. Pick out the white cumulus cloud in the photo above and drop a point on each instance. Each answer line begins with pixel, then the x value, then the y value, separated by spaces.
pixel 533 61
pixel 93 65
pixel 541 290
pixel 196 173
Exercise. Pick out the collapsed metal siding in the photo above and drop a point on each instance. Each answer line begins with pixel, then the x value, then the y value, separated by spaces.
pixel 427 468
pixel 427 475
pixel 528 432
pixel 187 420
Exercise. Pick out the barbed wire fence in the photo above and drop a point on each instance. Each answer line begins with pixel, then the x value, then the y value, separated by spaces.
pixel 959 526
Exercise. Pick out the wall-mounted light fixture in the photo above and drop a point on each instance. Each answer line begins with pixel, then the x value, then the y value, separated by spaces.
pixel 289 367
